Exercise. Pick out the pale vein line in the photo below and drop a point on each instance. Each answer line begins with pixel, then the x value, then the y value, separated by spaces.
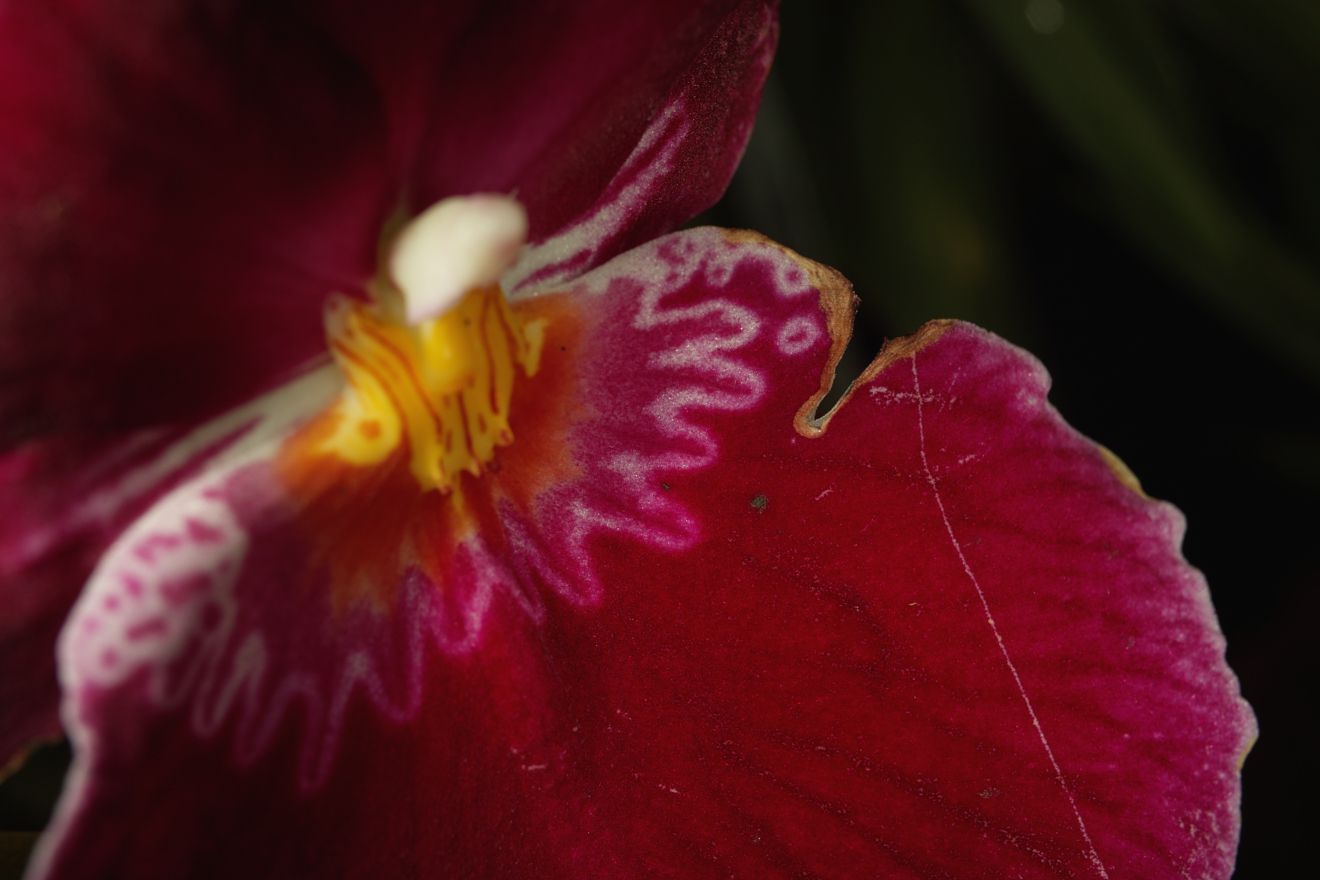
pixel 1092 854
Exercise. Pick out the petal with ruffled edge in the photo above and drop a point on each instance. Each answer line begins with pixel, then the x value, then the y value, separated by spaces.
pixel 183 187
pixel 678 628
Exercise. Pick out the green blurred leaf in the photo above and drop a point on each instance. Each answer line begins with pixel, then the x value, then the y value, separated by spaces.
pixel 1264 62
pixel 930 163
pixel 1274 42
pixel 1159 183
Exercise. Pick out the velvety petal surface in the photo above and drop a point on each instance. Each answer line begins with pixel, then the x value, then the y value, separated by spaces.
pixel 64 501
pixel 43 566
pixel 676 628
pixel 183 183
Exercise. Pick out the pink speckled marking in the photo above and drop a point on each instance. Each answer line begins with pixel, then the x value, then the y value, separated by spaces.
pixel 202 533
pixel 154 545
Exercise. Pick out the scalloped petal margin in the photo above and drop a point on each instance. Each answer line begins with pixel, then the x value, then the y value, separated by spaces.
pixel 932 635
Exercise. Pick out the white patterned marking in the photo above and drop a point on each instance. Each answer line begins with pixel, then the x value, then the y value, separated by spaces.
pixel 724 382
pixel 203 445
pixel 567 254
pixel 797 335
pixel 191 546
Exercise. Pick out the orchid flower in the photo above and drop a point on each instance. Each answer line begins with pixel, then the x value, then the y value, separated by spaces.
pixel 406 507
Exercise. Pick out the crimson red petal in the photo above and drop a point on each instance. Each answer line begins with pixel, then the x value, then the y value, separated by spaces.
pixel 62 502
pixel 46 550
pixel 943 638
pixel 183 183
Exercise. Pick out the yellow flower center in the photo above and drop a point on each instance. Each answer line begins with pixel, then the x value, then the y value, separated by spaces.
pixel 441 387
pixel 431 363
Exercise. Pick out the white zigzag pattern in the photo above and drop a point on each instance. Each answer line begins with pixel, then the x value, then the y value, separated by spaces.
pixel 147 605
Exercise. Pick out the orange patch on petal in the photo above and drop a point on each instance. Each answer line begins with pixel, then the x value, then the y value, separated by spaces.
pixel 365 525
pixel 368 522
pixel 544 407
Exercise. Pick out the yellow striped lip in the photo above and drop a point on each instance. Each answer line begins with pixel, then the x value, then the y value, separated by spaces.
pixel 440 388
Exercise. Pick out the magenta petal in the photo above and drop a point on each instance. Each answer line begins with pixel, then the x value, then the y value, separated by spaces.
pixel 50 538
pixel 943 638
pixel 698 116
pixel 184 183
pixel 62 502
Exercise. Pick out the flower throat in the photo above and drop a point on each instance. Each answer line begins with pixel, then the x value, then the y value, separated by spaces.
pixel 430 363
pixel 440 388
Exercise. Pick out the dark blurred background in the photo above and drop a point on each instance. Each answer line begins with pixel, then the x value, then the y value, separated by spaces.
pixel 1131 190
